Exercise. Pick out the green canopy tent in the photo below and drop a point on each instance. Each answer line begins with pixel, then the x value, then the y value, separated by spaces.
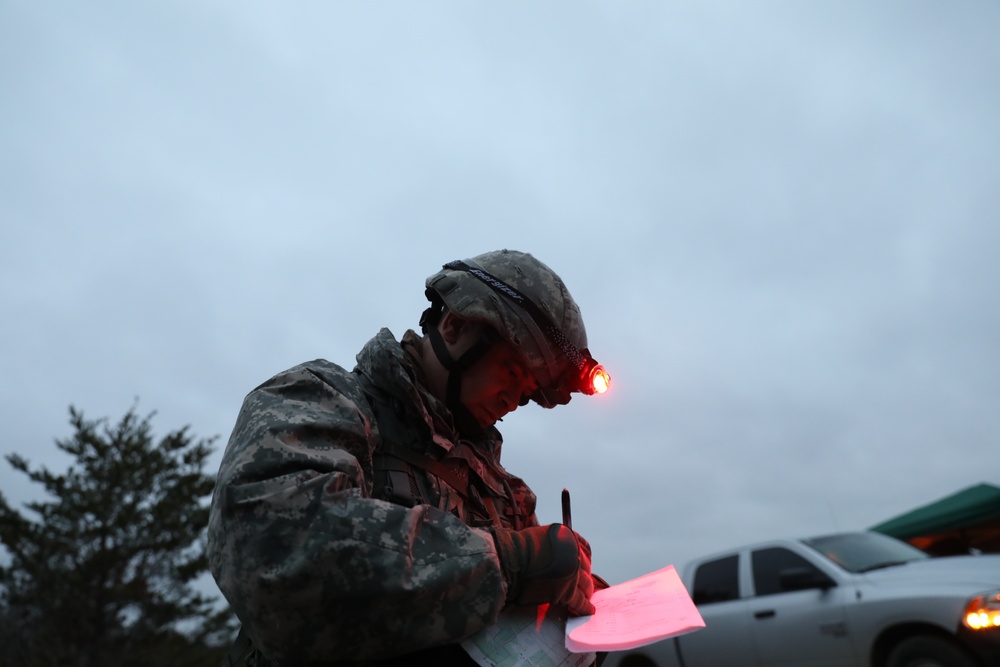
pixel 962 522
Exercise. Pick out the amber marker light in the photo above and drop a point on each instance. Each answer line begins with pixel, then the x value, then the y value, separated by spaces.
pixel 983 612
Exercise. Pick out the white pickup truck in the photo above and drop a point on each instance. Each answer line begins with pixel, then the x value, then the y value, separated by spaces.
pixel 848 600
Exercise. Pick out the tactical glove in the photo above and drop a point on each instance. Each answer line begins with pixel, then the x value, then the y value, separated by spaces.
pixel 546 564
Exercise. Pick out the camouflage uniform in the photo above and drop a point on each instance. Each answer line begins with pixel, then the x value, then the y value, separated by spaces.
pixel 314 561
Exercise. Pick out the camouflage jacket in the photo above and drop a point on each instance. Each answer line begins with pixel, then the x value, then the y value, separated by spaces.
pixel 316 565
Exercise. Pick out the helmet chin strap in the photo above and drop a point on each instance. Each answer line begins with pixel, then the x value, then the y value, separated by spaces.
pixel 465 422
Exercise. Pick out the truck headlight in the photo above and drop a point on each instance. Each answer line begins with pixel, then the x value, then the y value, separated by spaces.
pixel 983 611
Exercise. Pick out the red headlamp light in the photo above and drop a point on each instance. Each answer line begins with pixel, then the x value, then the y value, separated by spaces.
pixel 596 380
pixel 593 378
pixel 587 377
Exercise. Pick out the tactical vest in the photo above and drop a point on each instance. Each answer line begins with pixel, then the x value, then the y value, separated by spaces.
pixel 405 473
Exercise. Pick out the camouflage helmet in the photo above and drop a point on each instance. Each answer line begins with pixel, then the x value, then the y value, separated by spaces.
pixel 528 305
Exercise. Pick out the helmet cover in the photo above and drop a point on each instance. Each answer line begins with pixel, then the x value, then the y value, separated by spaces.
pixel 529 306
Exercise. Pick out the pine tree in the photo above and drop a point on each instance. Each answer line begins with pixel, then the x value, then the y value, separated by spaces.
pixel 103 573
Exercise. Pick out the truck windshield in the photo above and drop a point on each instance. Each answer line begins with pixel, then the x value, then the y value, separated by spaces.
pixel 862 552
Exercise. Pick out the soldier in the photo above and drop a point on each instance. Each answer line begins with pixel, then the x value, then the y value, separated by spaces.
pixel 364 515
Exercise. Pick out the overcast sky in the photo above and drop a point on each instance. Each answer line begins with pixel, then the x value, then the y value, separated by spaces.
pixel 780 220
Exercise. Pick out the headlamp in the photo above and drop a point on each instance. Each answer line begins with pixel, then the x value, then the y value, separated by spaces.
pixel 592 377
pixel 596 380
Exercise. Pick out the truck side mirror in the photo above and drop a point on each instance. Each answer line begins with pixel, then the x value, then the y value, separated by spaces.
pixel 804 578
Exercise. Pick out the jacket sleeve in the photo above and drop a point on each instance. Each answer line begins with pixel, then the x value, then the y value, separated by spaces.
pixel 314 568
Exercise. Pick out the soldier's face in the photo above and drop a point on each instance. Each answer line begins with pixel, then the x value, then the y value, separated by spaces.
pixel 493 386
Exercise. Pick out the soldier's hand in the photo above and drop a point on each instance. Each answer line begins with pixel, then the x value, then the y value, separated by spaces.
pixel 546 564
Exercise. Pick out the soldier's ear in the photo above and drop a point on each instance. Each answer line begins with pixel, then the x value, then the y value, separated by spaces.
pixel 452 326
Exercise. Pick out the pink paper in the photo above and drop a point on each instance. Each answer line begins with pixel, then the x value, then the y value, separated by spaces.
pixel 644 610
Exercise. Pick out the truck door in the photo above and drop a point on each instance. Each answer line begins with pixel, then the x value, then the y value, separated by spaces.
pixel 797 613
pixel 726 639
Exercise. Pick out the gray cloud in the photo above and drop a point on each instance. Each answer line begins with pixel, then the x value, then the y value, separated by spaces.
pixel 779 221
